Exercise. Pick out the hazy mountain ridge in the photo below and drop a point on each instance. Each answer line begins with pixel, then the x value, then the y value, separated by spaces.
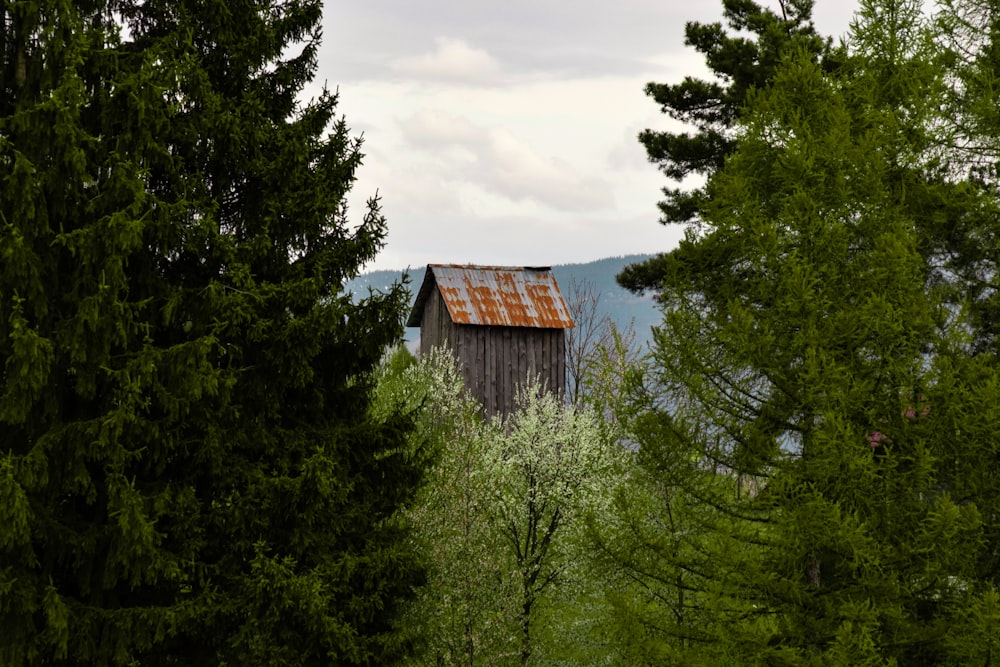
pixel 623 306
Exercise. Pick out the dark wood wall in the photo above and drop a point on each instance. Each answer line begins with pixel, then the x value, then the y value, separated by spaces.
pixel 436 327
pixel 495 359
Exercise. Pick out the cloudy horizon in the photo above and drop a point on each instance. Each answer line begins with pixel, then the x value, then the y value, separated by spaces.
pixel 505 133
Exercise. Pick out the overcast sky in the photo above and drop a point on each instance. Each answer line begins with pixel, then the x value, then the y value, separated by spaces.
pixel 505 132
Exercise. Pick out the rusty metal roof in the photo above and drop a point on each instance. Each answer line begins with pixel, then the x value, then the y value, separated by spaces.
pixel 512 296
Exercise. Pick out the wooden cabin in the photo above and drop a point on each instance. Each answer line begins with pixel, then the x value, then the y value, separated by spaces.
pixel 503 323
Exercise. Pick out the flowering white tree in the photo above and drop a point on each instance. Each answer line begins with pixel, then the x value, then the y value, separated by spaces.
pixel 501 514
pixel 461 615
pixel 550 466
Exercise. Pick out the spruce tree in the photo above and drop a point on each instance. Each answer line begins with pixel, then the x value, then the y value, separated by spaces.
pixel 189 471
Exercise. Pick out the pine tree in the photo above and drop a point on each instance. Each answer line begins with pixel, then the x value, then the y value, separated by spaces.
pixel 189 472
pixel 742 60
pixel 966 246
pixel 807 346
pixel 968 252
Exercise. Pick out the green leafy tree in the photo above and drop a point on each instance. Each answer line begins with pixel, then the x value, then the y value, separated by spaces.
pixel 465 613
pixel 189 473
pixel 501 519
pixel 673 533
pixel 550 464
pixel 741 60
pixel 807 347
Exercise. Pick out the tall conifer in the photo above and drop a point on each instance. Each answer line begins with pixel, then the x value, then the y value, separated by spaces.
pixel 808 346
pixel 188 470
pixel 742 59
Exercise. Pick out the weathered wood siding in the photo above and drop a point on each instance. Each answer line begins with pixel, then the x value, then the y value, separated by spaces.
pixel 436 327
pixel 496 360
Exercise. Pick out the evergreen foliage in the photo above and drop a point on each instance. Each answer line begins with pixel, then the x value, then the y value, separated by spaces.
pixel 189 473
pixel 743 59
pixel 819 442
pixel 967 252
pixel 965 243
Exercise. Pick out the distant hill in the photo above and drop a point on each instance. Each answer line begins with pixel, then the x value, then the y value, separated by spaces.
pixel 620 304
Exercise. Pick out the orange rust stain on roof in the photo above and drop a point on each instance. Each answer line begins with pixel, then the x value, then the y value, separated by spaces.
pixel 548 310
pixel 457 305
pixel 492 295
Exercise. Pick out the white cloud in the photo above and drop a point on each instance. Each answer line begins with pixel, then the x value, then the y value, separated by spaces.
pixel 435 129
pixel 452 60
pixel 534 158
pixel 497 161
pixel 513 174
